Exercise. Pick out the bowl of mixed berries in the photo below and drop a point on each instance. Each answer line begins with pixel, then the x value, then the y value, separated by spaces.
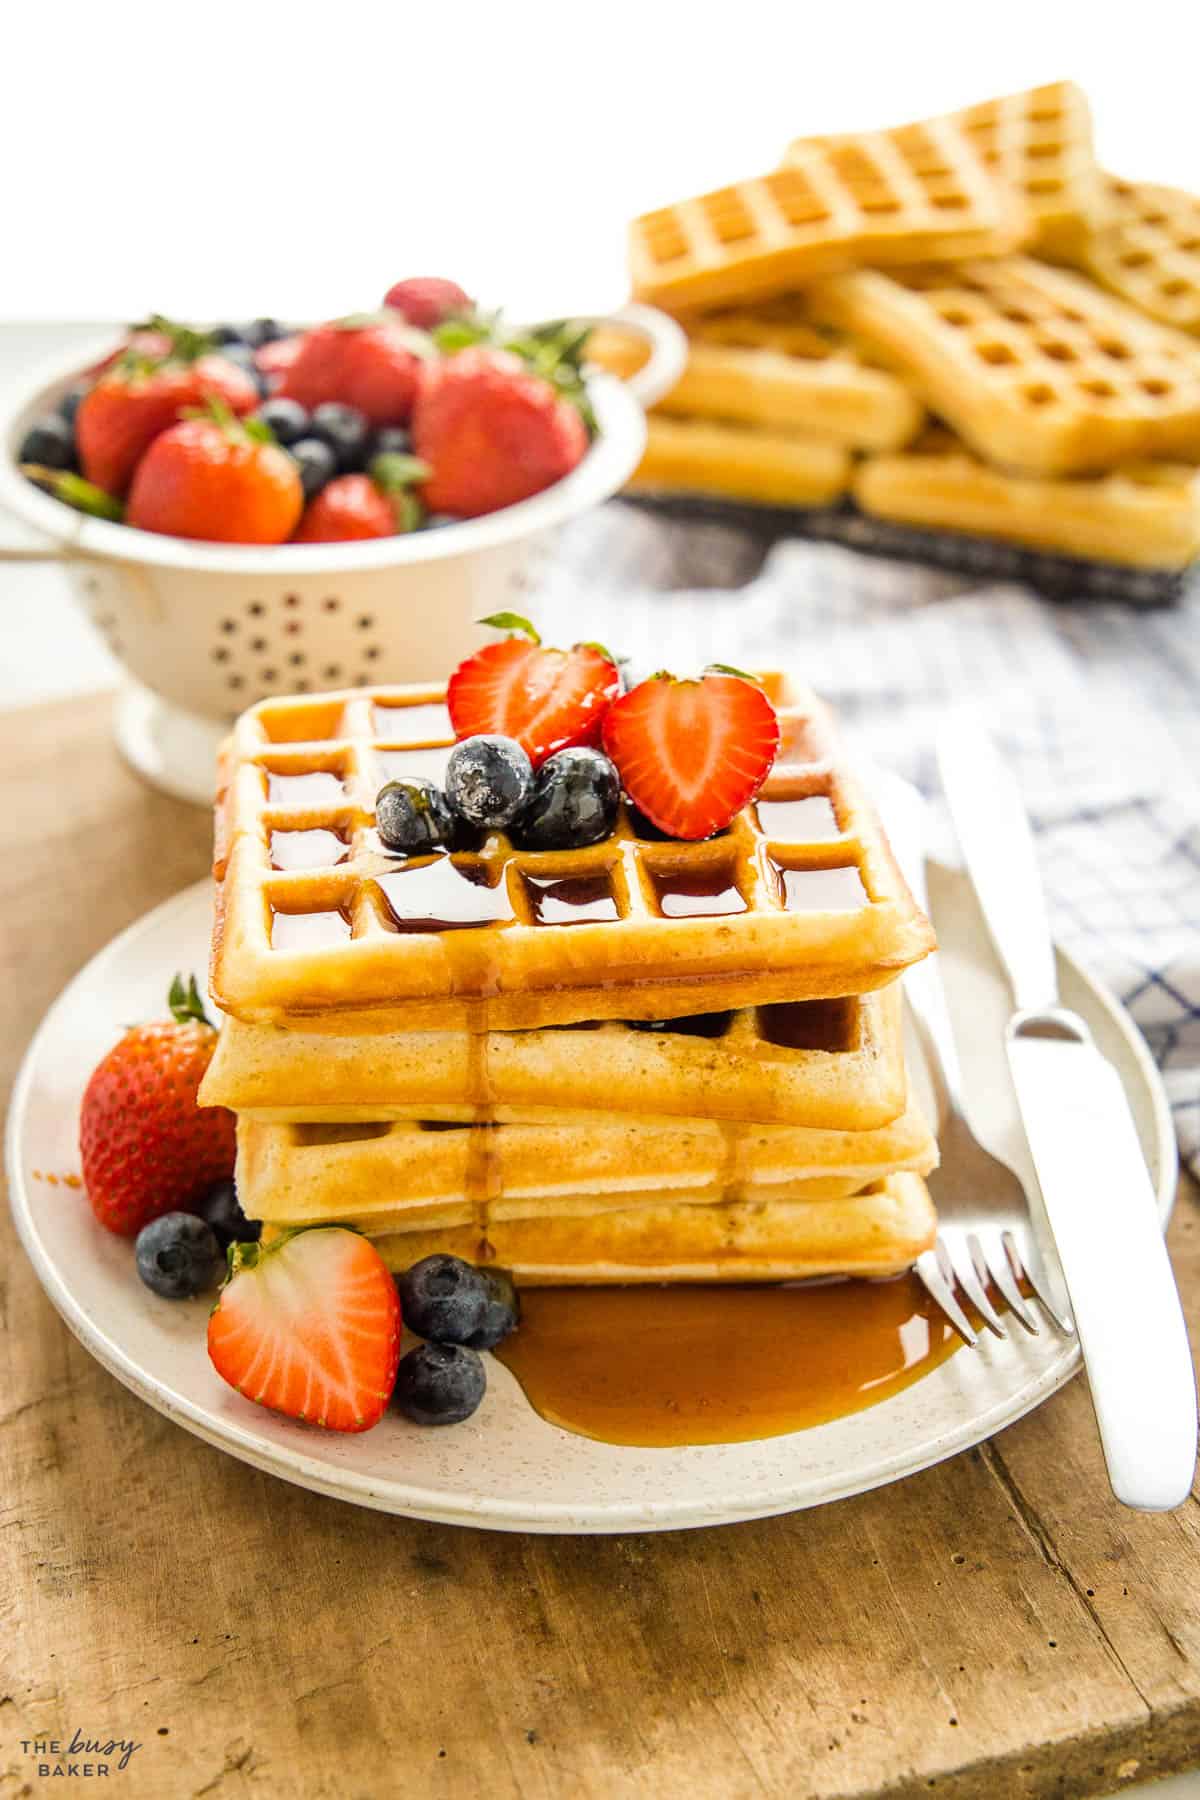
pixel 256 509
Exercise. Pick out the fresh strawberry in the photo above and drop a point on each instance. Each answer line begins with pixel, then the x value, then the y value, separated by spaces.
pixel 217 479
pixel 377 504
pixel 691 754
pixel 425 300
pixel 369 363
pixel 147 1147
pixel 347 508
pixel 277 357
pixel 546 699
pixel 492 432
pixel 309 1325
pixel 137 399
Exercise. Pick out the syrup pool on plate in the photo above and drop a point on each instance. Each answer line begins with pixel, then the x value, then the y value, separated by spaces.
pixel 670 1366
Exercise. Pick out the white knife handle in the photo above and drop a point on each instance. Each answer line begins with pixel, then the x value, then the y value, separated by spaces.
pixel 998 849
pixel 1104 1217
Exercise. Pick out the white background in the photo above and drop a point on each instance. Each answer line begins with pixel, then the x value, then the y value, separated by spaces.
pixel 263 157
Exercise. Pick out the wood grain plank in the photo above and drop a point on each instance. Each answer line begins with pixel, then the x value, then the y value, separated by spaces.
pixel 995 1626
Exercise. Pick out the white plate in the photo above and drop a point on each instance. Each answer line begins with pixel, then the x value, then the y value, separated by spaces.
pixel 507 1468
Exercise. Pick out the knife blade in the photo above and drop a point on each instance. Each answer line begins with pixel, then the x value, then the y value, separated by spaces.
pixel 1099 1200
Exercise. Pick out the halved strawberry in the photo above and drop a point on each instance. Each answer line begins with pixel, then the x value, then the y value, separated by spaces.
pixel 547 699
pixel 309 1325
pixel 691 754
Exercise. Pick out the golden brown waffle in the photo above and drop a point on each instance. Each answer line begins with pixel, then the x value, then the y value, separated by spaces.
pixel 769 468
pixel 635 927
pixel 880 1231
pixel 913 195
pixel 1035 368
pixel 399 1175
pixel 830 1063
pixel 1038 145
pixel 1148 251
pixel 770 368
pixel 1146 515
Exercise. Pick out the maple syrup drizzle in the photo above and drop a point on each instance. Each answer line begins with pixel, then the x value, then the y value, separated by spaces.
pixel 678 1365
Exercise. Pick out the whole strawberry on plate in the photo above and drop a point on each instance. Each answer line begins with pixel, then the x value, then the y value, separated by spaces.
pixel 309 1325
pixel 691 754
pixel 147 1147
pixel 141 395
pixel 548 700
pixel 492 431
pixel 215 478
pixel 366 361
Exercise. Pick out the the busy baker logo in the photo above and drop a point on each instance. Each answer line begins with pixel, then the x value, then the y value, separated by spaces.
pixel 79 1757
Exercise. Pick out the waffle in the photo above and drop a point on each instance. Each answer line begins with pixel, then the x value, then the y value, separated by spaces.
pixel 913 195
pixel 344 938
pixel 767 468
pixel 1146 515
pixel 1035 368
pixel 878 1232
pixel 1148 251
pixel 397 1175
pixel 771 369
pixel 834 1063
pixel 1038 145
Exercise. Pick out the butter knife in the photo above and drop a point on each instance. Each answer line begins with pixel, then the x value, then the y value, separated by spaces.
pixel 1099 1201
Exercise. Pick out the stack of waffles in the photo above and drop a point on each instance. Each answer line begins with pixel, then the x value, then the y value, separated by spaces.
pixel 960 326
pixel 647 1060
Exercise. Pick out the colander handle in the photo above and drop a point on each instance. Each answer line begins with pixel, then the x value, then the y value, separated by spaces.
pixel 31 546
pixel 668 349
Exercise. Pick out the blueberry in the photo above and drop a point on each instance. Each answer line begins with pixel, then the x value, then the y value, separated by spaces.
pixel 50 442
pixel 503 1312
pixel 574 802
pixel 225 333
pixel 265 331
pixel 177 1255
pixel 287 419
pixel 444 1298
pixel 68 406
pixel 488 780
pixel 440 1384
pixel 432 520
pixel 220 1210
pixel 391 440
pixel 345 430
pixel 317 464
pixel 412 815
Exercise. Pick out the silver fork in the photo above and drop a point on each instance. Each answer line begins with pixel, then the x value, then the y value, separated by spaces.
pixel 985 1230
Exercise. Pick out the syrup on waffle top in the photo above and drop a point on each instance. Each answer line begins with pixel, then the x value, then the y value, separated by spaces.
pixel 880 1231
pixel 920 193
pixel 770 367
pixel 400 1175
pixel 317 926
pixel 837 1064
pixel 1037 145
pixel 1146 515
pixel 1147 251
pixel 1035 368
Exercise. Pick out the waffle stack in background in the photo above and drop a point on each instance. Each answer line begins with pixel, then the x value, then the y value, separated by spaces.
pixel 644 1061
pixel 961 330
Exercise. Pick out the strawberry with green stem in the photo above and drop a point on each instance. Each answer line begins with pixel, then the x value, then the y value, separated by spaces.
pixel 379 504
pixel 217 478
pixel 546 699
pixel 147 1148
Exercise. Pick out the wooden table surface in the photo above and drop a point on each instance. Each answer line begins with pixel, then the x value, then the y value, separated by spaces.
pixel 997 1626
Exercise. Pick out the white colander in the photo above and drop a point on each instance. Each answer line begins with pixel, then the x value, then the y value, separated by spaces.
pixel 206 629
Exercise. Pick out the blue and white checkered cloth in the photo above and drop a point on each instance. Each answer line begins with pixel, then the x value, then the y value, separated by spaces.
pixel 1096 705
